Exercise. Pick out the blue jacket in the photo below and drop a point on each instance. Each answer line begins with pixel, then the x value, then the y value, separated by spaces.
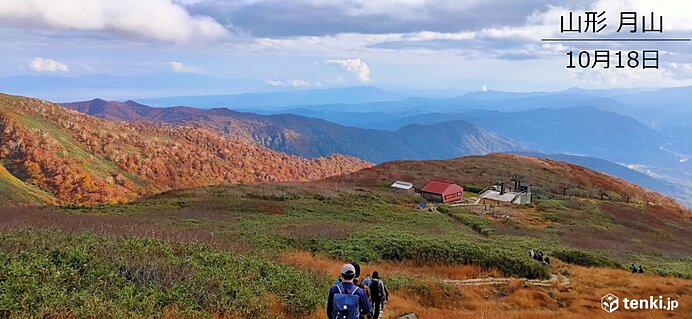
pixel 365 305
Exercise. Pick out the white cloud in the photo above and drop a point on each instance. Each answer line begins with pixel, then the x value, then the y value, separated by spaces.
pixel 679 71
pixel 47 65
pixel 179 67
pixel 356 67
pixel 292 83
pixel 676 13
pixel 151 19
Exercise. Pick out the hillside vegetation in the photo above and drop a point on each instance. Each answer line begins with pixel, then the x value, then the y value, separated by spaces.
pixel 549 178
pixel 272 250
pixel 81 160
pixel 17 193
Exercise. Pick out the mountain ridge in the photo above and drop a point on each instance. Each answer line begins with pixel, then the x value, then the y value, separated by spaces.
pixel 84 160
pixel 311 137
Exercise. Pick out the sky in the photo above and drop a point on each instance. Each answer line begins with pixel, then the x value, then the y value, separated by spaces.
pixel 299 44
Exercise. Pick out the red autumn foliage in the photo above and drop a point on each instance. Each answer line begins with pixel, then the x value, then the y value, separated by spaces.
pixel 85 160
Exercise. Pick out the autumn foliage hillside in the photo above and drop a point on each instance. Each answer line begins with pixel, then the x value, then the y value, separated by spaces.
pixel 82 160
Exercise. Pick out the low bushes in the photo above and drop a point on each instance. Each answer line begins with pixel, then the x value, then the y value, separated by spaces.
pixel 583 258
pixel 48 273
pixel 473 189
pixel 477 223
pixel 399 246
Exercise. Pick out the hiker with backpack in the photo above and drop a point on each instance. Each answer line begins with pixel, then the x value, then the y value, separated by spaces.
pixel 367 280
pixel 378 293
pixel 346 300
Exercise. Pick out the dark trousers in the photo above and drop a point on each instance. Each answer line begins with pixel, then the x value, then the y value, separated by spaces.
pixel 377 307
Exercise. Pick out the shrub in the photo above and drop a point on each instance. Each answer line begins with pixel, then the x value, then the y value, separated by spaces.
pixel 44 273
pixel 473 189
pixel 477 223
pixel 582 258
pixel 398 246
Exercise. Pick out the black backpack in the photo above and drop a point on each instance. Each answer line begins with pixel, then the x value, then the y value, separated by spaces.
pixel 376 289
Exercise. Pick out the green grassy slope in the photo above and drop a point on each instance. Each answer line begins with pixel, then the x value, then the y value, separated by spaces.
pixel 17 193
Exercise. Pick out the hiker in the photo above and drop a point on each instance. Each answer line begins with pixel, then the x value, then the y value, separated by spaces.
pixel 546 260
pixel 378 293
pixel 532 254
pixel 633 268
pixel 338 280
pixel 641 269
pixel 361 285
pixel 367 280
pixel 346 300
pixel 356 266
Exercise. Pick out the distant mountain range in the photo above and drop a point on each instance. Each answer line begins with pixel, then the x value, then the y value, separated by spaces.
pixel 277 100
pixel 575 130
pixel 309 137
pixel 657 108
pixel 645 129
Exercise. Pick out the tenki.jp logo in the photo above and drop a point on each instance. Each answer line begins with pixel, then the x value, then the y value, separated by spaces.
pixel 611 303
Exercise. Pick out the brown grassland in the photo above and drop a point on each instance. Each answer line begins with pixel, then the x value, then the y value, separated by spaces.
pixel 579 299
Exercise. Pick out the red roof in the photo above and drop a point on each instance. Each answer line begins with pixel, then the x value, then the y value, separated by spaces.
pixel 442 187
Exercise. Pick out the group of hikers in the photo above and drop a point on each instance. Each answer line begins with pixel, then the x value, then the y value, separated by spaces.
pixel 538 256
pixel 351 298
pixel 634 269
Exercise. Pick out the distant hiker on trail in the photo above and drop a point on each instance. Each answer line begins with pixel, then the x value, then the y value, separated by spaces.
pixel 338 280
pixel 379 294
pixel 367 280
pixel 532 254
pixel 346 300
pixel 633 268
pixel 546 260
pixel 641 269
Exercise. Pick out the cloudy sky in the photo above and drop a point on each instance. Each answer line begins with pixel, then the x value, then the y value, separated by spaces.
pixel 423 44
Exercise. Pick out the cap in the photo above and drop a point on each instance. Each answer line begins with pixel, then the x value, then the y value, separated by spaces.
pixel 348 269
